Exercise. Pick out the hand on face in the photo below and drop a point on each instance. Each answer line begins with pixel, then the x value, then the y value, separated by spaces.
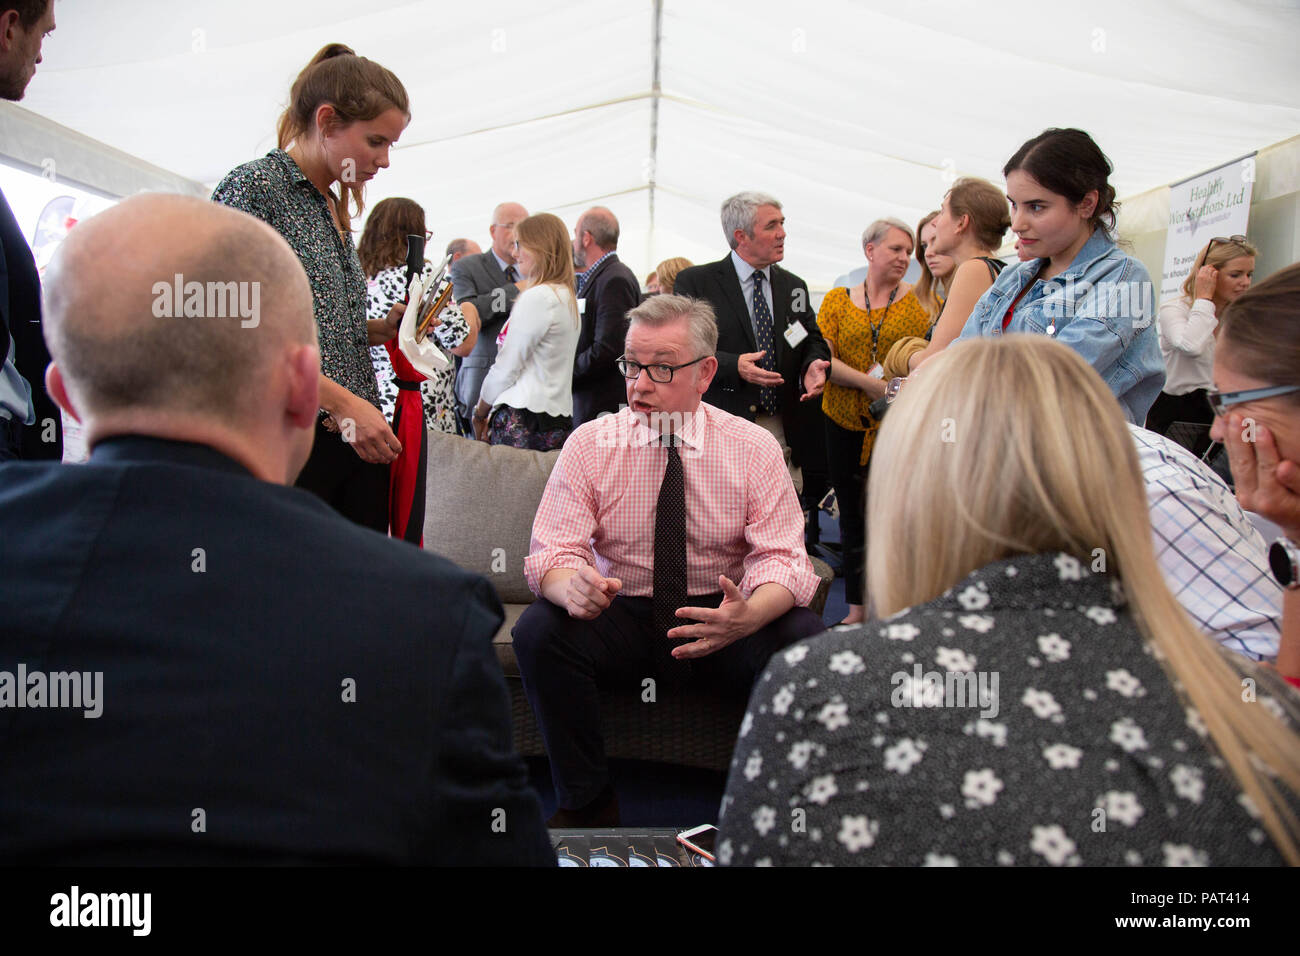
pixel 1266 483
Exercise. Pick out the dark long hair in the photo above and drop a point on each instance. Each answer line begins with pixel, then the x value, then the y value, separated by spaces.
pixel 1070 164
pixel 383 241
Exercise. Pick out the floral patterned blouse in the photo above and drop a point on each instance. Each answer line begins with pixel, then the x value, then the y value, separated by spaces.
pixel 1018 719
pixel 387 288
pixel 276 191
pixel 848 329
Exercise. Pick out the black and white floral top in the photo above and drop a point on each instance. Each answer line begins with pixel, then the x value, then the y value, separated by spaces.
pixel 387 288
pixel 276 191
pixel 1018 719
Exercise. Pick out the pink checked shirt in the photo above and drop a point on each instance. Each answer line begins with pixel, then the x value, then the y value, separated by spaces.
pixel 742 517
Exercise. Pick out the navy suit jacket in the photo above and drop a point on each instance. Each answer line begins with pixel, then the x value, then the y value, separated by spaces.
pixel 611 292
pixel 232 619
pixel 718 284
pixel 20 317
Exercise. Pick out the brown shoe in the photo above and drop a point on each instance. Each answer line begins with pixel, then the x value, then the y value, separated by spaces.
pixel 601 812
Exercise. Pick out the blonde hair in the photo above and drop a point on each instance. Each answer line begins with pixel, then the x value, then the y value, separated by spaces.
pixel 1218 254
pixel 927 288
pixel 668 270
pixel 357 88
pixel 1014 445
pixel 547 240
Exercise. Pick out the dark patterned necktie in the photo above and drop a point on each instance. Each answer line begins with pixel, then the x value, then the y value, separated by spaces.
pixel 763 336
pixel 670 544
pixel 512 275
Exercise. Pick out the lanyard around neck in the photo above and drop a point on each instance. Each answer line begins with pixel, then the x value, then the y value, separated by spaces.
pixel 876 327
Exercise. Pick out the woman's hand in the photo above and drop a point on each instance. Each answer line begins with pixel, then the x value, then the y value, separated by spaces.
pixel 364 428
pixel 379 331
pixel 1266 485
pixel 482 414
pixel 1207 280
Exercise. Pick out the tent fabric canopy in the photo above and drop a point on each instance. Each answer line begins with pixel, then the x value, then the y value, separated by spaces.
pixel 845 110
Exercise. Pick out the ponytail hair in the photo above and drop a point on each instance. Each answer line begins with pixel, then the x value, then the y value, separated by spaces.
pixel 357 88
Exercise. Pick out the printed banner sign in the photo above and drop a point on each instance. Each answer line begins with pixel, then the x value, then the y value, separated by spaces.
pixel 1212 204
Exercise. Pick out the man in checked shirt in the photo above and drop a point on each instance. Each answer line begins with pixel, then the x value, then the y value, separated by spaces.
pixel 631 589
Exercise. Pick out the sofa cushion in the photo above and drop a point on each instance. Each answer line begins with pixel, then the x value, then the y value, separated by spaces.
pixel 480 501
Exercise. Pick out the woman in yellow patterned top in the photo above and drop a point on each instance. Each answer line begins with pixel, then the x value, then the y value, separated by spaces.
pixel 860 325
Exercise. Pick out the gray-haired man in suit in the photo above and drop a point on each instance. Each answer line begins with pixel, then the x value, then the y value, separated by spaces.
pixel 491 281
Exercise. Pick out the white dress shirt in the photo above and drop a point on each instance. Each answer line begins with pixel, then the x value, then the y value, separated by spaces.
pixel 534 366
pixel 1187 344
pixel 745 272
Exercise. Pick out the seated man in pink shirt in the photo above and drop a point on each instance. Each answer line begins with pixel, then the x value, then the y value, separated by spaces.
pixel 668 545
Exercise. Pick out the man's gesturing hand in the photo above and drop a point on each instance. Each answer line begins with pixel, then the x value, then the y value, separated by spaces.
pixel 722 625
pixel 814 380
pixel 587 594
pixel 747 367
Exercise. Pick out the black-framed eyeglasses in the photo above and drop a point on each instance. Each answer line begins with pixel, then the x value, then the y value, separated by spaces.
pixel 662 374
pixel 1219 401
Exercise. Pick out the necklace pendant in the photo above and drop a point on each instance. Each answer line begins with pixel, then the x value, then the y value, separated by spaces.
pixel 1051 329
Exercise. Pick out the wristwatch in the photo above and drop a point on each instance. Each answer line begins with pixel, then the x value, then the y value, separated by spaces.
pixel 1284 559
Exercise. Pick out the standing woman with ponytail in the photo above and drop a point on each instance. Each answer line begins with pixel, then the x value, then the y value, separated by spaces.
pixel 344 113
pixel 1074 283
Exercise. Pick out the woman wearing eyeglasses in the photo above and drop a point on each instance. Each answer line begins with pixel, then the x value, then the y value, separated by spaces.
pixel 382 251
pixel 1189 325
pixel 1256 404
pixel 527 397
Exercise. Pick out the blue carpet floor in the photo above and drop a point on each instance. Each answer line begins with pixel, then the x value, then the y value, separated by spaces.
pixel 651 794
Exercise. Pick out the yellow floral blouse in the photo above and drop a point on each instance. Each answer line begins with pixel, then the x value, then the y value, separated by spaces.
pixel 848 330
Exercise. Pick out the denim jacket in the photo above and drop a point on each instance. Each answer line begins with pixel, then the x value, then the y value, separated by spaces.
pixel 1102 306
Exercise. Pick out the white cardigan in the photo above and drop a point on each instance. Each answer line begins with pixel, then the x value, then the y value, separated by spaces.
pixel 1187 344
pixel 534 366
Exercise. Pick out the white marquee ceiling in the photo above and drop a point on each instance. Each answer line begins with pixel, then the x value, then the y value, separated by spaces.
pixel 845 110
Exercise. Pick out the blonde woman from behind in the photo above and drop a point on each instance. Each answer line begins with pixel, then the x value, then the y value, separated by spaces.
pixel 1032 677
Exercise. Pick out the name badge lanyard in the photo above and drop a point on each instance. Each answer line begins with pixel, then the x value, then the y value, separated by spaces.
pixel 875 329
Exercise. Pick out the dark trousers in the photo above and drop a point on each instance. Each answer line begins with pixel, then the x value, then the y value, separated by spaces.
pixel 355 489
pixel 843 451
pixel 563 662
pixel 1192 408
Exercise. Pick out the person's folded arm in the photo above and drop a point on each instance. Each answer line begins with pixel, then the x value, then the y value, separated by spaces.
pixel 486 812
pixel 1188 329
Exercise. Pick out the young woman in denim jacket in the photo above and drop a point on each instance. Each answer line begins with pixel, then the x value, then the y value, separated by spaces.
pixel 1076 286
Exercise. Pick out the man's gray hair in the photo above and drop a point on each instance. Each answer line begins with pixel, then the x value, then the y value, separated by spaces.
pixel 880 228
pixel 660 310
pixel 457 247
pixel 739 212
pixel 603 226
